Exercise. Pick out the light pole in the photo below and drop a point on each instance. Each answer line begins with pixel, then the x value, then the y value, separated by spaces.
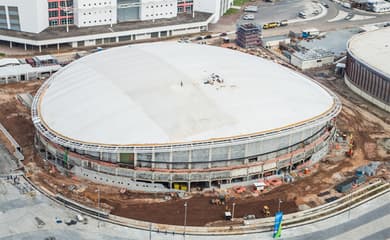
pixel 98 191
pixel 185 219
pixel 150 231
pixel 280 201
pixel 234 204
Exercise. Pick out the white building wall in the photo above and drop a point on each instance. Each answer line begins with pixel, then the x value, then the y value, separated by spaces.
pixel 313 63
pixel 33 14
pixel 94 12
pixel 157 9
pixel 217 7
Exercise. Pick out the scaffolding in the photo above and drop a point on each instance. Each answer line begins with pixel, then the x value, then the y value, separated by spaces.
pixel 248 35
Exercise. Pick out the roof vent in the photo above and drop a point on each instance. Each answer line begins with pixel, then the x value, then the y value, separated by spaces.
pixel 214 79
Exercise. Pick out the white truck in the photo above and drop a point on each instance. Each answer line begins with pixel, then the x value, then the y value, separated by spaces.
pixel 251 8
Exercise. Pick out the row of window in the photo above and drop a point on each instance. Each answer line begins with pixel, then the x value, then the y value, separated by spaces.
pixel 183 10
pixel 156 15
pixel 90 13
pixel 97 21
pixel 56 22
pixel 54 5
pixel 97 4
pixel 156 6
pixel 59 13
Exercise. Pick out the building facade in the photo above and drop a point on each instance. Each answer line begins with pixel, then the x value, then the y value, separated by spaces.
pixel 217 7
pixel 366 71
pixel 60 12
pixel 36 15
pixel 94 12
pixel 314 58
pixel 24 15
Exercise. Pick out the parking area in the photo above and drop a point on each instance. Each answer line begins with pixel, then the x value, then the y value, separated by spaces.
pixel 282 10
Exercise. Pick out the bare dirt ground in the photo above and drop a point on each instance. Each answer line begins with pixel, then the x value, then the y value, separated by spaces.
pixel 368 124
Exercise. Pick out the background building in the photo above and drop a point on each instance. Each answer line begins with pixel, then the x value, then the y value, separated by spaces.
pixel 60 12
pixel 313 58
pixel 367 69
pixel 194 120
pixel 36 15
pixel 24 15
pixel 216 7
pixel 94 12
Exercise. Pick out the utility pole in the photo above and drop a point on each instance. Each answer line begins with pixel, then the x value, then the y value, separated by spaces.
pixel 67 15
pixel 98 190
pixel 234 204
pixel 185 219
pixel 280 201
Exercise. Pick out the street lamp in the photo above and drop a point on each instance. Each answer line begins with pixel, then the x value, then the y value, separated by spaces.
pixel 185 218
pixel 234 204
pixel 98 191
pixel 280 201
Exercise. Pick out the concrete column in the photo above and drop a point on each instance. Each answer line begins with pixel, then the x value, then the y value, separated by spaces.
pixel 135 158
pixel 58 46
pixel 229 155
pixel 170 159
pixel 117 39
pixel 10 44
pixel 210 153
pixel 40 48
pixel 190 159
pixel 153 159
pixel 25 47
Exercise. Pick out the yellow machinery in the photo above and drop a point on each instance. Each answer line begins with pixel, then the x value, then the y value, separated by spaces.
pixel 266 211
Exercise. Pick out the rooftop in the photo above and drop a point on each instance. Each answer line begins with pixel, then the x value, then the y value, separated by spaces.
pixel 312 54
pixel 172 92
pixel 373 48
pixel 15 70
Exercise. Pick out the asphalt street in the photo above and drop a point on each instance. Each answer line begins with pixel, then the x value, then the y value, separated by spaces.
pixel 7 162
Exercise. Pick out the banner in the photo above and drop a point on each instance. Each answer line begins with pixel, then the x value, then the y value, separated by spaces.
pixel 278 225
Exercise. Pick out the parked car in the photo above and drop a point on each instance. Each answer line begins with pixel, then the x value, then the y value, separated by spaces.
pixel 208 37
pixel 325 4
pixel 199 38
pixel 70 222
pixel 386 24
pixel 251 8
pixel 283 23
pixel 223 34
pixel 248 17
pixel 349 16
pixel 302 14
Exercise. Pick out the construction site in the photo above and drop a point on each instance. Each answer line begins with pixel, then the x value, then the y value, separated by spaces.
pixel 360 147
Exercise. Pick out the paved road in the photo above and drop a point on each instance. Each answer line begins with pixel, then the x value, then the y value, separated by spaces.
pixel 7 162
pixel 323 25
pixel 281 10
pixel 18 212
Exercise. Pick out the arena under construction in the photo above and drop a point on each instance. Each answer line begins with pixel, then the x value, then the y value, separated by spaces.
pixel 176 115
